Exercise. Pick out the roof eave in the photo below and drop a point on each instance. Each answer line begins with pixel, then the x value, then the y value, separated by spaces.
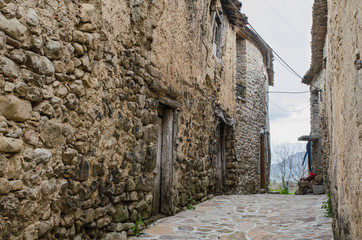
pixel 319 33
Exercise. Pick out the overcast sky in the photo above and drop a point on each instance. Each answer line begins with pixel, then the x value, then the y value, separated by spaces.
pixel 285 25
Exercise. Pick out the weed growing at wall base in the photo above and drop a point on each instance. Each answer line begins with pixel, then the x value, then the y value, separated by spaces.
pixel 191 204
pixel 327 206
pixel 137 227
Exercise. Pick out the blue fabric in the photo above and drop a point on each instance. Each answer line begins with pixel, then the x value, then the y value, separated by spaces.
pixel 305 157
pixel 309 154
pixel 309 149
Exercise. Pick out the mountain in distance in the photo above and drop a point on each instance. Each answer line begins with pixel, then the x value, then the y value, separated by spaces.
pixel 295 160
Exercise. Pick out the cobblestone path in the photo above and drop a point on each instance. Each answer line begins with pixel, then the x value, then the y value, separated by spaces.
pixel 247 217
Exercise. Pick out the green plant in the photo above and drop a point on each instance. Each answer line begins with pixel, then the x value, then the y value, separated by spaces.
pixel 191 204
pixel 327 206
pixel 136 229
pixel 284 191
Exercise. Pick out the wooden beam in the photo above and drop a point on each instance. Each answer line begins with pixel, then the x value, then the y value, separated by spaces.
pixel 169 102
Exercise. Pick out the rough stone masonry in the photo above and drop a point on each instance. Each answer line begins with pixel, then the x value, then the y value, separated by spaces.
pixel 115 110
pixel 335 79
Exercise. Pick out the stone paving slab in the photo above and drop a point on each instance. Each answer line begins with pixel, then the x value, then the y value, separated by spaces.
pixel 244 217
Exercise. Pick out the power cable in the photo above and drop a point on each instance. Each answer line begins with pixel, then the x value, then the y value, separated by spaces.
pixel 281 16
pixel 282 59
pixel 292 111
pixel 276 54
pixel 281 63
pixel 315 88
pixel 265 41
pixel 289 92
pixel 295 74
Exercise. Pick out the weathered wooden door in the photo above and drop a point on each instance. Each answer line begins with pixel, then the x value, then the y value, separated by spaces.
pixel 157 172
pixel 162 199
pixel 262 163
pixel 220 160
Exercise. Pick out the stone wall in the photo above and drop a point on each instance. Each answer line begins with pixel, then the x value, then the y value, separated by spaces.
pixel 252 112
pixel 319 165
pixel 83 85
pixel 344 115
pixel 340 112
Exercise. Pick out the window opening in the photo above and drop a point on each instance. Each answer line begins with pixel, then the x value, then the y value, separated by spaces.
pixel 240 91
pixel 216 38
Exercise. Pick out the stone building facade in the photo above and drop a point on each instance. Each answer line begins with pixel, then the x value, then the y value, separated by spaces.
pixel 114 110
pixel 335 79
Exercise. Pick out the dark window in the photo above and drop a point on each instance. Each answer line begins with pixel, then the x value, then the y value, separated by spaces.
pixel 216 36
pixel 240 91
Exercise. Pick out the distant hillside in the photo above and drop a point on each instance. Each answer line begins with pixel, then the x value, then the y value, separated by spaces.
pixel 296 161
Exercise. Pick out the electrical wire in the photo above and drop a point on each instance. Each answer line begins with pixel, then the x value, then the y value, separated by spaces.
pixel 292 111
pixel 294 73
pixel 276 54
pixel 281 16
pixel 289 92
pixel 279 58
pixel 299 76
pixel 281 63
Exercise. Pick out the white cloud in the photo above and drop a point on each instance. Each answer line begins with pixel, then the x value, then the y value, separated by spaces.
pixel 273 20
pixel 289 129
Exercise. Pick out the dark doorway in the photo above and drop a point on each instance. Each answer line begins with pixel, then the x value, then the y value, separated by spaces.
pixel 162 199
pixel 220 160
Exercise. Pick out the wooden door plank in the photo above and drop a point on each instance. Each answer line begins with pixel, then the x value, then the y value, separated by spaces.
pixel 220 160
pixel 262 163
pixel 167 163
pixel 157 172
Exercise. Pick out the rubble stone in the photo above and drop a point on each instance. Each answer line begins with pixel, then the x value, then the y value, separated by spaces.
pixel 16 185
pixel 53 49
pixel 306 186
pixel 41 155
pixel 9 87
pixel 43 228
pixel 4 186
pixel 2 39
pixel 14 108
pixel 121 214
pixel 32 18
pixel 10 145
pixel 31 137
pixel 87 13
pixel 318 189
pixel 318 178
pixel 12 27
pixel 9 206
pixel 18 56
pixel 39 64
pixel 8 67
pixel 52 134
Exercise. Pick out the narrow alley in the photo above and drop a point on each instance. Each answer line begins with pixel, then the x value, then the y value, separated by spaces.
pixel 114 113
pixel 254 217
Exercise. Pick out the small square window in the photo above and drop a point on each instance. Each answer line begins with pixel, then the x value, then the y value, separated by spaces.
pixel 240 91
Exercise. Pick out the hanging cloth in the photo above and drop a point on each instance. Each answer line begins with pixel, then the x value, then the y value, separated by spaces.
pixel 309 155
